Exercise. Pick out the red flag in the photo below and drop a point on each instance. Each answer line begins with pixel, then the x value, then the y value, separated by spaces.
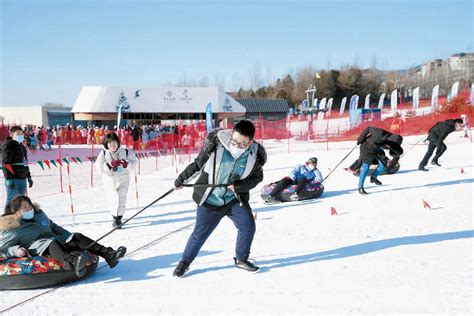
pixel 73 159
pixel 59 162
pixel 333 211
pixel 146 156
pixel 47 164
pixel 9 168
pixel 426 205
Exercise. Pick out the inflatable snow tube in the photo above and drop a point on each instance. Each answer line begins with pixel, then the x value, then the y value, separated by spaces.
pixel 386 170
pixel 312 190
pixel 38 272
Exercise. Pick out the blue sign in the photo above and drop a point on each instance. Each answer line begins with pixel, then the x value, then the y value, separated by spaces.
pixel 209 117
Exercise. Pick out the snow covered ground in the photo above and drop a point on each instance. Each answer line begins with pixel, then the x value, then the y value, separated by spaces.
pixel 382 253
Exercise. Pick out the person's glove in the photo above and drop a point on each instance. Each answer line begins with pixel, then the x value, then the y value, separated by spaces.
pixel 124 163
pixel 9 183
pixel 115 163
pixel 30 182
pixel 22 252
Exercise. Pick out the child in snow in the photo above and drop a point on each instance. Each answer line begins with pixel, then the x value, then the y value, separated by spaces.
pixel 300 176
pixel 27 230
pixel 114 163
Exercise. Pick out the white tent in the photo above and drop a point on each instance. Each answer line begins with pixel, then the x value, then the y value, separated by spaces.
pixel 99 99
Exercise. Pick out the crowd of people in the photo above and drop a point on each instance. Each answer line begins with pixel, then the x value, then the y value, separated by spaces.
pixel 144 137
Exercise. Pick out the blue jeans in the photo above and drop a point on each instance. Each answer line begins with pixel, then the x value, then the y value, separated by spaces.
pixel 365 169
pixel 208 219
pixel 18 188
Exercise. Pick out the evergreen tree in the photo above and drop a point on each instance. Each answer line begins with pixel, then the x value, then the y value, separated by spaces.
pixel 122 101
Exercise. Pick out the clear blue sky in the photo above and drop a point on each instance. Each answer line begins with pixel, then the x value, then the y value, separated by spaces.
pixel 50 49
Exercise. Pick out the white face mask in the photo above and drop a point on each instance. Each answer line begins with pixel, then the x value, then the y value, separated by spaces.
pixel 236 152
pixel 19 138
pixel 28 214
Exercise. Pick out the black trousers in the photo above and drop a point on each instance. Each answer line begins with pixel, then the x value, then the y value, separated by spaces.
pixel 283 183
pixel 440 149
pixel 59 251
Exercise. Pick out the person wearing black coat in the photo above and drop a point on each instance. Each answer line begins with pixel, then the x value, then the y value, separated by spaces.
pixel 15 156
pixel 436 136
pixel 373 141
pixel 233 160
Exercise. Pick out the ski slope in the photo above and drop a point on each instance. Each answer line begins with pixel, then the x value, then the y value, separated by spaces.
pixel 382 253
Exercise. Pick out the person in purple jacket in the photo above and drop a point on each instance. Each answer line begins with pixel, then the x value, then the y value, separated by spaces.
pixel 300 176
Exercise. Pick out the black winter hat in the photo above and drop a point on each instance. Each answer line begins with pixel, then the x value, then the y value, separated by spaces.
pixel 313 160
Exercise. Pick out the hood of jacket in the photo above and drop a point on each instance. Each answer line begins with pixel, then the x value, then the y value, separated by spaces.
pixel 9 222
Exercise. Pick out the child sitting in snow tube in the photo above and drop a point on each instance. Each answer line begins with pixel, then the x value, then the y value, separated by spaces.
pixel 303 183
pixel 27 231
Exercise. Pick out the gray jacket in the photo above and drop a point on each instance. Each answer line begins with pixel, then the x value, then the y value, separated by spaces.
pixel 34 235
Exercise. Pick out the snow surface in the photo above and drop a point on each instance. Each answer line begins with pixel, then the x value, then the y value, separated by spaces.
pixel 382 253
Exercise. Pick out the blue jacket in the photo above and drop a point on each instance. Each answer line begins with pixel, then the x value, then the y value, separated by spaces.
pixel 303 171
pixel 34 235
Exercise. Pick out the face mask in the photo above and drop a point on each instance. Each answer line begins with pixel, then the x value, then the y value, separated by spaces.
pixel 312 167
pixel 236 152
pixel 19 138
pixel 28 214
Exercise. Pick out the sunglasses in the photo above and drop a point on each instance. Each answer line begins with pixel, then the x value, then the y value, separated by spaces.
pixel 238 144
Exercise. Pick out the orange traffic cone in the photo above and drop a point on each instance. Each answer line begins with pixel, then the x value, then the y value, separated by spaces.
pixel 462 171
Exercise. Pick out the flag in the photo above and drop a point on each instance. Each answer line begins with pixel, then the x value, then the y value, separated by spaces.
pixel 343 105
pixel 382 97
pixel 393 101
pixel 367 102
pixel 354 103
pixel 416 98
pixel 59 162
pixel 65 160
pixel 41 164
pixel 53 162
pixel 209 117
pixel 434 98
pixel 47 164
pixel 454 90
pixel 78 159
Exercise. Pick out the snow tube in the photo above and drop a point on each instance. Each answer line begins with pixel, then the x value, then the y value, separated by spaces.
pixel 386 170
pixel 38 272
pixel 312 190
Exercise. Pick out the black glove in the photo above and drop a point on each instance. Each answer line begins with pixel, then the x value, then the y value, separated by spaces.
pixel 30 182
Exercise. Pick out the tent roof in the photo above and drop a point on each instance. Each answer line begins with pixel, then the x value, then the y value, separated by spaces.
pixel 100 99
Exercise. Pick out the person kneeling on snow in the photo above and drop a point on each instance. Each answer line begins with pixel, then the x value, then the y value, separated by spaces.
pixel 301 175
pixel 27 231
pixel 114 163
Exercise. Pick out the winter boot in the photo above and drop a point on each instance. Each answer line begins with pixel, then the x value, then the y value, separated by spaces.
pixel 362 191
pixel 246 265
pixel 375 180
pixel 76 261
pixel 422 168
pixel 112 256
pixel 435 163
pixel 181 269
pixel 117 222
pixel 294 197
pixel 271 200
